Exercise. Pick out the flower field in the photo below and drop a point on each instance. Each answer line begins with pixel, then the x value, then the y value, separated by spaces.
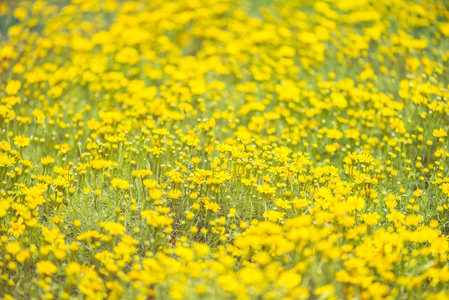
pixel 224 149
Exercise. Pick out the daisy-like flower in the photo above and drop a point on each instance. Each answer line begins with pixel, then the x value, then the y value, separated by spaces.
pixel 21 141
pixel 212 206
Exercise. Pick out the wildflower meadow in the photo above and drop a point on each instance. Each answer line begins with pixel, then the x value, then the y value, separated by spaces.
pixel 224 149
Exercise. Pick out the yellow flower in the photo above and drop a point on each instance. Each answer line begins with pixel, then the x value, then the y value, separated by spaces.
pixel 273 215
pixel 154 218
pixel 77 223
pixel 325 290
pixel 115 228
pixel 61 182
pixel 289 279
pixel 266 189
pixel 73 268
pixel 17 228
pixel 174 194
pixel 212 206
pixel 99 164
pixel 127 55
pixel 90 234
pixel 417 193
pixel 370 218
pixel 262 258
pixel 13 248
pixel 6 160
pixel 445 189
pixel 57 219
pixel 150 184
pixel 21 141
pixel 46 268
pixel 439 133
pixel 141 173
pixel 23 255
pixel 120 183
pixel 20 13
pixel 155 194
pixel 13 87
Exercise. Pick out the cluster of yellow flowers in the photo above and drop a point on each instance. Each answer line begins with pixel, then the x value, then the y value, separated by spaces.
pixel 224 149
